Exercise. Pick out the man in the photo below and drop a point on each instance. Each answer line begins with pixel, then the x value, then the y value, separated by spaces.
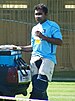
pixel 45 37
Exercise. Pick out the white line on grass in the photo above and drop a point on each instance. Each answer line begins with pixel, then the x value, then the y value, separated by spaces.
pixel 19 99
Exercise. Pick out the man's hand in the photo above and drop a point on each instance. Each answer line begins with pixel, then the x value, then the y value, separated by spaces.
pixel 17 48
pixel 39 34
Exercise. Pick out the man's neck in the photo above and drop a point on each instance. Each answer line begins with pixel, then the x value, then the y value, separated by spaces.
pixel 43 21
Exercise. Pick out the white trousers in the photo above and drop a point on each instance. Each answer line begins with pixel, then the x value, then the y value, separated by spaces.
pixel 46 67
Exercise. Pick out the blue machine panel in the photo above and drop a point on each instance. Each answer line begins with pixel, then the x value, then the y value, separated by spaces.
pixel 7 57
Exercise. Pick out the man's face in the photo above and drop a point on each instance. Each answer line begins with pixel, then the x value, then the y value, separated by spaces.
pixel 40 16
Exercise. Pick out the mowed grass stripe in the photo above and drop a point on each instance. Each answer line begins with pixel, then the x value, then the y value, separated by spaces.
pixel 61 91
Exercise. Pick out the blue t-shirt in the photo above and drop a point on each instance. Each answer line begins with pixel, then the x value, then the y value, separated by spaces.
pixel 41 47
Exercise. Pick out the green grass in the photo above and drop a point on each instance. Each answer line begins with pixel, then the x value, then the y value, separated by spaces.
pixel 61 91
pixel 58 91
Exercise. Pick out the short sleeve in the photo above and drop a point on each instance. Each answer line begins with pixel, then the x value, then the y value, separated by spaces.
pixel 55 30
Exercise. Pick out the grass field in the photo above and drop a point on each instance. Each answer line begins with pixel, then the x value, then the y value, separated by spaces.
pixel 58 91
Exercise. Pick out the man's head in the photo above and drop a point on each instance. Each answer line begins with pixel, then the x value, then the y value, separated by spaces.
pixel 40 12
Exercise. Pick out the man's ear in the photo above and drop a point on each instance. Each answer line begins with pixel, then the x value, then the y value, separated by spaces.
pixel 46 14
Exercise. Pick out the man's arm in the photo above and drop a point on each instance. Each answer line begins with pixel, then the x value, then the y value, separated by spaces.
pixel 26 48
pixel 55 41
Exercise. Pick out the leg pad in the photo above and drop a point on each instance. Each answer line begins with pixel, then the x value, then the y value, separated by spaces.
pixel 40 84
